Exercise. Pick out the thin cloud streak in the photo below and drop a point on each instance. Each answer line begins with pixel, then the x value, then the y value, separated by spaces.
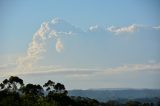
pixel 127 29
pixel 89 72
pixel 157 27
pixel 130 28
pixel 152 67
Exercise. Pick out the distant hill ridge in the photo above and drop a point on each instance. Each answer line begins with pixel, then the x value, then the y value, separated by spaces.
pixel 106 94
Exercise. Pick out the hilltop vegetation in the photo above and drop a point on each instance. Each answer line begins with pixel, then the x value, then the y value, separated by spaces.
pixel 121 95
pixel 13 92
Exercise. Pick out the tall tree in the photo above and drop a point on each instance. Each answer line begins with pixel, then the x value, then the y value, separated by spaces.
pixel 12 84
pixel 49 85
pixel 33 89
pixel 60 88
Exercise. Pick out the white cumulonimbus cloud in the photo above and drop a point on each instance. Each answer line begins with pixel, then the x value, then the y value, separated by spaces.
pixel 59 46
pixel 57 29
pixel 49 30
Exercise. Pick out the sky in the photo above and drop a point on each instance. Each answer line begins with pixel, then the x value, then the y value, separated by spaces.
pixel 83 44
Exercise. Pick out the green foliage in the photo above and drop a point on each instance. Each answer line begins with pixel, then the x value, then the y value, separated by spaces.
pixel 31 89
pixel 113 103
pixel 133 103
pixel 13 92
pixel 12 84
pixel 49 85
pixel 9 99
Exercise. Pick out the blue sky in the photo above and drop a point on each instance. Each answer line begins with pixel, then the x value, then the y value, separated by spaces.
pixel 83 44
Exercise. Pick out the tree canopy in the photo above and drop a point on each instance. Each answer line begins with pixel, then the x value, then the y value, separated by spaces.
pixel 13 92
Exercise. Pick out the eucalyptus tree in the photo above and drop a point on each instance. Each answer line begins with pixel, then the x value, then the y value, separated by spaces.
pixel 12 84
pixel 32 89
pixel 60 88
pixel 49 85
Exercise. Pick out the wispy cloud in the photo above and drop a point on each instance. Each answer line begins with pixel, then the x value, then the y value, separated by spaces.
pixel 127 29
pixel 88 72
pixel 131 68
pixel 3 67
pixel 81 72
pixel 93 28
pixel 130 28
pixel 7 69
pixel 157 27
pixel 51 69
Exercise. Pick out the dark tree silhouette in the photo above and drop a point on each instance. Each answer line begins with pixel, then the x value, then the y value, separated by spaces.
pixel 5 81
pixel 32 95
pixel 14 80
pixel 12 84
pixel 133 103
pixel 60 88
pixel 33 89
pixel 2 86
pixel 49 85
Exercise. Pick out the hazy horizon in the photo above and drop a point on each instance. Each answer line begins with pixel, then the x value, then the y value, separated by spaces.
pixel 83 44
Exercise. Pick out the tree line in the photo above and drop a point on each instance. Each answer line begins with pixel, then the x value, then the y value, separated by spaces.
pixel 13 92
